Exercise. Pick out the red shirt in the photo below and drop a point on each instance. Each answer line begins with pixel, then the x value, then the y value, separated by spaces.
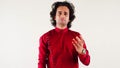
pixel 57 51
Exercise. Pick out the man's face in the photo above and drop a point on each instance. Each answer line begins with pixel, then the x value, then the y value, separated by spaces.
pixel 62 16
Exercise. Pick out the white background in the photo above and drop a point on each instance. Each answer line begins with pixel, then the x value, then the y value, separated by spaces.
pixel 22 22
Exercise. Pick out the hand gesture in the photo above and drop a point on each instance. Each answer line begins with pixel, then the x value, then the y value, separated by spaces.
pixel 78 44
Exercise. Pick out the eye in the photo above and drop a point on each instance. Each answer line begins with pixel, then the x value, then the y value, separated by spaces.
pixel 65 13
pixel 59 12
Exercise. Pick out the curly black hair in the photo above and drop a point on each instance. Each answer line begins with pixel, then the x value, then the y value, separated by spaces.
pixel 54 7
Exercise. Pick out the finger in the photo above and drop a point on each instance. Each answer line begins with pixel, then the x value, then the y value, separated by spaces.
pixel 81 38
pixel 74 45
pixel 79 41
pixel 75 42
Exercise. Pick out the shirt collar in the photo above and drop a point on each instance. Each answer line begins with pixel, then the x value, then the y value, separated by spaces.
pixel 61 30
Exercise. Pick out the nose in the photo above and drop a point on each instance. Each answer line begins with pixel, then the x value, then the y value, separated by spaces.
pixel 62 16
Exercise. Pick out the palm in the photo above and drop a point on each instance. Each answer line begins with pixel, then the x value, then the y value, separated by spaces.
pixel 78 44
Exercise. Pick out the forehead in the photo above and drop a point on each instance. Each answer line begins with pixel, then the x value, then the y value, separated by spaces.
pixel 63 8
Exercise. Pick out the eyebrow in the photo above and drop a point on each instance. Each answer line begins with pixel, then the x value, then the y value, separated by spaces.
pixel 61 11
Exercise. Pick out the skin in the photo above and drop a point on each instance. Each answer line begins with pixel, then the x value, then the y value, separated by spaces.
pixel 78 44
pixel 62 19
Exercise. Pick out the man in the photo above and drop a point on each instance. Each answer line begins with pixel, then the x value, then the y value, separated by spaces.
pixel 61 47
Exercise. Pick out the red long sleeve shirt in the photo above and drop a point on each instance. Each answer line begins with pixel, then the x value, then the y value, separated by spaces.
pixel 57 51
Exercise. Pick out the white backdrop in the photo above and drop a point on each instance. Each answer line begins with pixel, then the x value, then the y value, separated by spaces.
pixel 22 22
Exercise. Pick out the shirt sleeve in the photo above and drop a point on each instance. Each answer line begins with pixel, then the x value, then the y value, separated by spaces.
pixel 42 57
pixel 85 58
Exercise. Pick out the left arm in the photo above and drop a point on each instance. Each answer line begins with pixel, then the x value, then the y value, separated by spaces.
pixel 81 48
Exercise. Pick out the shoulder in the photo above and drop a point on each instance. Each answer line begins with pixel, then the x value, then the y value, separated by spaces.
pixel 47 33
pixel 74 32
pixel 45 37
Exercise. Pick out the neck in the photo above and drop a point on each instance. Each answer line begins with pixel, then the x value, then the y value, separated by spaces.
pixel 61 26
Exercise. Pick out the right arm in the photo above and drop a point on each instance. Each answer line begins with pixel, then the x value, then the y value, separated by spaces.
pixel 42 52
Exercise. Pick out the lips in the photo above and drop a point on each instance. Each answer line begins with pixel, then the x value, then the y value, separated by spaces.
pixel 62 19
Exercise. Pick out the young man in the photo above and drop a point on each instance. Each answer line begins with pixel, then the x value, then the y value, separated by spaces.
pixel 61 47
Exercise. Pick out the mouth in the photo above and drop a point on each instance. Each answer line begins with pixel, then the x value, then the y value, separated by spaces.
pixel 62 19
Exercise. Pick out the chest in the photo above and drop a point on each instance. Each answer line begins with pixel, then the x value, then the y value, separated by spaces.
pixel 61 43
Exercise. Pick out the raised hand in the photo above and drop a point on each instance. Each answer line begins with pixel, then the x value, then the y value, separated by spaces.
pixel 78 44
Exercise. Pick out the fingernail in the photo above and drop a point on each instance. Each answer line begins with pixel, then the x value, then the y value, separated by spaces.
pixel 76 36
